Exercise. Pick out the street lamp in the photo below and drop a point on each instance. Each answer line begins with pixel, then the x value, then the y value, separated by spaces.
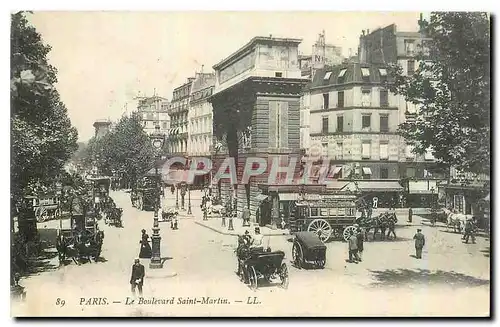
pixel 58 197
pixel 189 197
pixel 157 139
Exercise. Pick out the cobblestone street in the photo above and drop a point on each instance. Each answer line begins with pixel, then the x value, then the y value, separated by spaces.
pixel 450 279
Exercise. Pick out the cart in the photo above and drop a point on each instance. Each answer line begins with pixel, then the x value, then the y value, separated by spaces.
pixel 308 249
pixel 327 217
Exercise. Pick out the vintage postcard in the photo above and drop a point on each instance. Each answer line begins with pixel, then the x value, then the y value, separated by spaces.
pixel 250 164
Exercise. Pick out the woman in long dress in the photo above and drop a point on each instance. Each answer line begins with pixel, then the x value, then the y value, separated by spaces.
pixel 145 252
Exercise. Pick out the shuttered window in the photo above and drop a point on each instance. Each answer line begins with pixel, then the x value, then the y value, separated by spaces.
pixel 366 150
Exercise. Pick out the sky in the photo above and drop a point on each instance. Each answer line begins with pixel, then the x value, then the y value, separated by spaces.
pixel 105 59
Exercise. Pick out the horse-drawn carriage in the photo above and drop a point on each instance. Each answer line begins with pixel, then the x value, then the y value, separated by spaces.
pixel 308 250
pixel 211 205
pixel 145 196
pixel 100 192
pixel 380 223
pixel 84 239
pixel 114 217
pixel 328 217
pixel 256 264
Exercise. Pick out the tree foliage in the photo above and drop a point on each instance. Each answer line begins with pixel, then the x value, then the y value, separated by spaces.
pixel 43 138
pixel 451 88
pixel 126 148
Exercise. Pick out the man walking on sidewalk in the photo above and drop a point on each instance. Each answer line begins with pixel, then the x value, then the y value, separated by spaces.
pixel 353 248
pixel 419 243
pixel 137 277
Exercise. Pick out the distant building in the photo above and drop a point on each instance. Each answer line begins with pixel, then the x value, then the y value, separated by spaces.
pixel 178 111
pixel 153 111
pixel 102 127
pixel 324 54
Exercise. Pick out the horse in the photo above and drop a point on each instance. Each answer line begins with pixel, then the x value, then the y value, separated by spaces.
pixel 214 208
pixel 454 220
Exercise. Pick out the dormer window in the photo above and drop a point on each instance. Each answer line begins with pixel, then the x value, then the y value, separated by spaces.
pixel 341 76
pixel 327 76
pixel 383 72
pixel 365 72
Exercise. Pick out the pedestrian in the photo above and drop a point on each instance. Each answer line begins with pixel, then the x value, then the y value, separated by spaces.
pixel 419 243
pixel 145 252
pixel 353 248
pixel 410 214
pixel 470 231
pixel 137 277
pixel 360 241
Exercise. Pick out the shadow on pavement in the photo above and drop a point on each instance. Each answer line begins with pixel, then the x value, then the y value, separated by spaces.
pixel 165 259
pixel 41 263
pixel 403 277
pixel 486 251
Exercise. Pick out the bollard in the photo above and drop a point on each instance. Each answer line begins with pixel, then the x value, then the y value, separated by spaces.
pixel 410 213
pixel 223 221
pixel 230 226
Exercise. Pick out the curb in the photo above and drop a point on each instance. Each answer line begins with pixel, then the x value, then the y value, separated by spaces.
pixel 232 233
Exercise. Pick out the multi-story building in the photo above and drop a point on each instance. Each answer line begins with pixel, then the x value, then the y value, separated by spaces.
pixel 153 111
pixel 178 111
pixel 325 54
pixel 256 114
pixel 200 129
pixel 354 120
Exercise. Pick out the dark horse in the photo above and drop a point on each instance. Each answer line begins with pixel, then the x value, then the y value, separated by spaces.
pixel 380 223
pixel 82 246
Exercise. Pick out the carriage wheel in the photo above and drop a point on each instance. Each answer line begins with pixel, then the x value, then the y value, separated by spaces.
pixel 41 214
pixel 252 277
pixel 320 263
pixel 320 227
pixel 297 254
pixel 284 276
pixel 348 231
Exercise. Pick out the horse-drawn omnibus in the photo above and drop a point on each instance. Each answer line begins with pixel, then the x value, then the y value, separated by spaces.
pixel 145 195
pixel 329 216
pixel 83 239
pixel 46 206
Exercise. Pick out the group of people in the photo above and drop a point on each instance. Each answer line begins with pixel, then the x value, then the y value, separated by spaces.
pixel 356 244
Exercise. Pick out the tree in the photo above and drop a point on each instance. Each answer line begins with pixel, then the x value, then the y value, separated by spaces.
pixel 43 138
pixel 451 87
pixel 126 148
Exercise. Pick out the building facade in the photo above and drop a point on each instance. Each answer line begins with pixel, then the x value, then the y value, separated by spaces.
pixel 200 116
pixel 256 114
pixel 179 123
pixel 153 111
pixel 102 127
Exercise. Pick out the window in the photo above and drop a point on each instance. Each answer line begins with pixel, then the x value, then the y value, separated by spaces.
pixel 340 103
pixel 365 72
pixel 325 125
pixel 327 76
pixel 411 67
pixel 326 101
pixel 341 76
pixel 366 98
pixel 384 98
pixel 410 172
pixel 410 47
pixel 384 123
pixel 383 72
pixel 340 151
pixel 367 172
pixel 340 123
pixel 384 173
pixel 365 150
pixel 324 147
pixel 337 172
pixel 278 74
pixel 164 125
pixel 366 122
pixel 384 151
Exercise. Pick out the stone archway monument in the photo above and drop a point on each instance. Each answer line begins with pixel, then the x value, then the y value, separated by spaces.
pixel 256 112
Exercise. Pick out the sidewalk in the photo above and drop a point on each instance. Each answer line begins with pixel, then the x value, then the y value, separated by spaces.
pixel 215 224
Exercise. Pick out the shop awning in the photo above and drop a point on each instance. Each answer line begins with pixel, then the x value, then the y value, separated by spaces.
pixel 289 196
pixel 336 169
pixel 367 171
pixel 338 185
pixel 379 186
pixel 261 197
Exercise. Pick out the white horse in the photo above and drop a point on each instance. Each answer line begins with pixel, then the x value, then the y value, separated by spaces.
pixel 214 208
pixel 455 220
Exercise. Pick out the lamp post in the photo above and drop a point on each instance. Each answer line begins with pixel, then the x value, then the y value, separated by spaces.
pixel 157 140
pixel 59 195
pixel 177 196
pixel 189 200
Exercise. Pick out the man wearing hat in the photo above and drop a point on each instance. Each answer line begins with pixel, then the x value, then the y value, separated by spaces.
pixel 360 240
pixel 258 238
pixel 419 243
pixel 137 277
pixel 469 231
